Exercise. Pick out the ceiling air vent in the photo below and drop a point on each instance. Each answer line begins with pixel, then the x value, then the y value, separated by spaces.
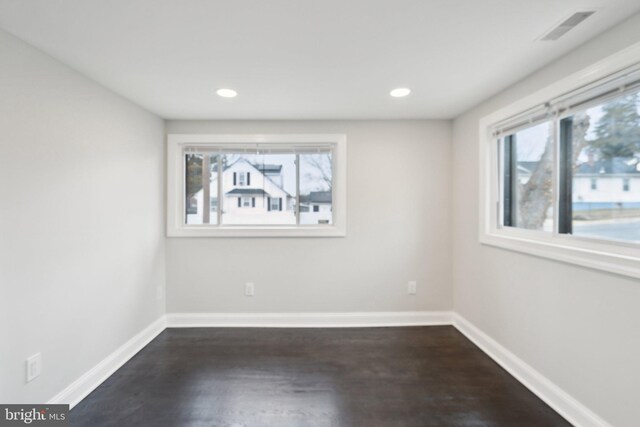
pixel 566 25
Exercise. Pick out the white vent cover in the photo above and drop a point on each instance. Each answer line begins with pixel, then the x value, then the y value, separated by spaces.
pixel 566 25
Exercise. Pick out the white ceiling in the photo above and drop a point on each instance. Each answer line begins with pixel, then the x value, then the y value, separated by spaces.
pixel 305 59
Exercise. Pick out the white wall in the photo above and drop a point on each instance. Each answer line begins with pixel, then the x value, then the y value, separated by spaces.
pixel 81 221
pixel 398 224
pixel 578 327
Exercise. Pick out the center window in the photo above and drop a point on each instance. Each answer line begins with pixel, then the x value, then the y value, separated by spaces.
pixel 259 186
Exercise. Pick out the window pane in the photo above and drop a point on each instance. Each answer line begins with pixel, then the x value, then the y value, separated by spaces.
pixel 528 162
pixel 201 189
pixel 606 172
pixel 259 189
pixel 316 176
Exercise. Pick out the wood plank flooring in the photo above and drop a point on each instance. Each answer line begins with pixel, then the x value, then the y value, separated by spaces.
pixel 369 377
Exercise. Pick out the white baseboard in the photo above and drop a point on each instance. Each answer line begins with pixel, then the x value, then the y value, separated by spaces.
pixel 90 380
pixel 310 320
pixel 568 407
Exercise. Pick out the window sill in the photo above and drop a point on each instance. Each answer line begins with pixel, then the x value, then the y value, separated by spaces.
pixel 622 259
pixel 265 231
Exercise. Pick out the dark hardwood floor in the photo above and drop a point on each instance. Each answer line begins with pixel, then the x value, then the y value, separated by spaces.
pixel 413 376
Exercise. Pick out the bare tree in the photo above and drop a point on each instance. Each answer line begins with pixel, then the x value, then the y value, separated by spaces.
pixel 321 163
pixel 535 196
pixel 581 123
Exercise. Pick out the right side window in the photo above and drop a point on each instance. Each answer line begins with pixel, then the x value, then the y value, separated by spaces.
pixel 575 172
pixel 600 170
pixel 560 171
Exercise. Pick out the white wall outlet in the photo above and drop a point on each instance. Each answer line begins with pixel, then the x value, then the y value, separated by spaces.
pixel 34 366
pixel 249 289
pixel 411 288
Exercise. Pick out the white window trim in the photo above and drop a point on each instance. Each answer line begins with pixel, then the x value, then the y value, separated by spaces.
pixel 175 187
pixel 615 257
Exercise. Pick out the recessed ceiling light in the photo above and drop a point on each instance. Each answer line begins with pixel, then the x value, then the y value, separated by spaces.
pixel 227 93
pixel 400 92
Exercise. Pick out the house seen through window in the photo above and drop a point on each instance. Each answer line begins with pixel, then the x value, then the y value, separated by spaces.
pixel 264 188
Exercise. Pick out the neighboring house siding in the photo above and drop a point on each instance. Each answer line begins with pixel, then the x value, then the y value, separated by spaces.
pixel 316 208
pixel 309 216
pixel 609 190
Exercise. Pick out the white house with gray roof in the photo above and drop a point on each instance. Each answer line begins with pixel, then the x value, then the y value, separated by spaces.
pixel 316 208
pixel 249 192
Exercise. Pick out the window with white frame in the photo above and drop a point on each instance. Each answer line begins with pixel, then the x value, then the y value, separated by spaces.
pixel 563 176
pixel 263 185
pixel 601 138
pixel 275 203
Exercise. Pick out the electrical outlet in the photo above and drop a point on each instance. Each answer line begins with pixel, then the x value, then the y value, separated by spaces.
pixel 249 289
pixel 411 288
pixel 34 367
